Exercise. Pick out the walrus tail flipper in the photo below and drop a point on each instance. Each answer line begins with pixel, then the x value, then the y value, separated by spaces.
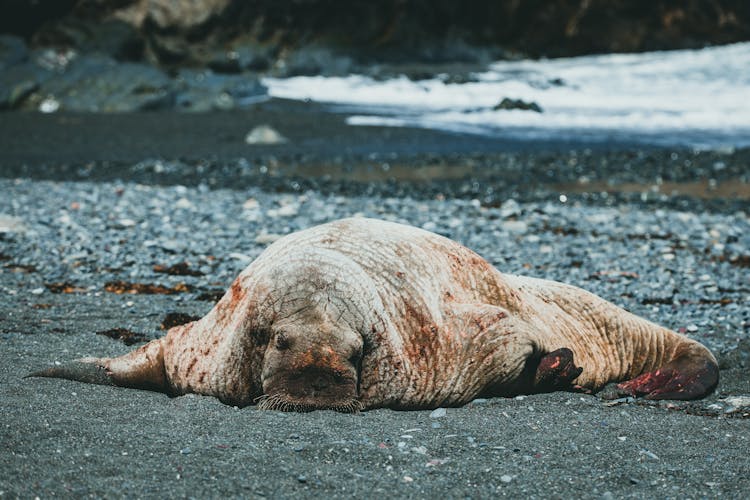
pixel 692 373
pixel 140 369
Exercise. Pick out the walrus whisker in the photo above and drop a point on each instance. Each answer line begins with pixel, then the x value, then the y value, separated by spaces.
pixel 280 402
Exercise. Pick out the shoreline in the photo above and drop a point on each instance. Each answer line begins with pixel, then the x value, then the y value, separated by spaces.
pixel 325 154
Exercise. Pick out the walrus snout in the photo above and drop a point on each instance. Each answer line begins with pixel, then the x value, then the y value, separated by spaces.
pixel 320 381
pixel 310 388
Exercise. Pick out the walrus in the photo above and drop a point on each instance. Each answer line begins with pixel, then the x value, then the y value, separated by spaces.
pixel 362 313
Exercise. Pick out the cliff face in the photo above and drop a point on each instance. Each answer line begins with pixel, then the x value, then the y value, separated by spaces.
pixel 191 31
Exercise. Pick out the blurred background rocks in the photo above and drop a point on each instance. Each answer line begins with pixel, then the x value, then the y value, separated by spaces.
pixel 133 53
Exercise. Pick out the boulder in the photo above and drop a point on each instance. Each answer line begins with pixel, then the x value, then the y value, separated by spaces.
pixel 13 51
pixel 519 104
pixel 204 90
pixel 169 15
pixel 96 83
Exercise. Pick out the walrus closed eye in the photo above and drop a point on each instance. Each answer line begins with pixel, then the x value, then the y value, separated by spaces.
pixel 362 313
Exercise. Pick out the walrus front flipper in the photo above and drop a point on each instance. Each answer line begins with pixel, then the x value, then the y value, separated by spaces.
pixel 139 369
pixel 79 371
pixel 556 371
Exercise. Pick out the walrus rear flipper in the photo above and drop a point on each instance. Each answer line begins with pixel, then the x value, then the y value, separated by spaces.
pixel 686 377
pixel 139 369
pixel 691 374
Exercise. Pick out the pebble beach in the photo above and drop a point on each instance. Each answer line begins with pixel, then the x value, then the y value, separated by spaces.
pixel 103 243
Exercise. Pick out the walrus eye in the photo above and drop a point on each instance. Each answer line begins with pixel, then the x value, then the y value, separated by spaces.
pixel 355 357
pixel 282 342
pixel 261 336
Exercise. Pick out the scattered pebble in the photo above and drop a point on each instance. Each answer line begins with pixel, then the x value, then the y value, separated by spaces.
pixel 438 413
pixel 264 135
pixel 11 224
pixel 267 238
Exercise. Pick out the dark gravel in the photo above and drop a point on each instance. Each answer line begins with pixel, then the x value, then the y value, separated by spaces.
pixel 64 236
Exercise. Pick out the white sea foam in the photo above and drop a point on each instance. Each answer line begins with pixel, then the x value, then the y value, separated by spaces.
pixel 695 97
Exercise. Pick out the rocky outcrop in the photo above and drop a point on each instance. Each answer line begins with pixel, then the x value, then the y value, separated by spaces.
pixel 49 80
pixel 250 33
pixel 122 55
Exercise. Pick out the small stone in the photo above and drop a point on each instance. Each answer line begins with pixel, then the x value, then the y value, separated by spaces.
pixel 240 256
pixel 692 328
pixel 49 105
pixel 264 135
pixel 287 210
pixel 125 223
pixel 267 238
pixel 738 401
pixel 505 478
pixel 302 478
pixel 438 413
pixel 186 451
pixel 184 203
pixel 11 224
pixel 251 204
pixel 408 479
pixel 515 226
pixel 510 208
pixel 420 450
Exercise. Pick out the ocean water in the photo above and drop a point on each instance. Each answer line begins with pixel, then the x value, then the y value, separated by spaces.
pixel 696 98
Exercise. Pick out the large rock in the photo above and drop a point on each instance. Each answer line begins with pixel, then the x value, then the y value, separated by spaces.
pixel 112 37
pixel 95 83
pixel 204 90
pixel 172 15
pixel 190 31
pixel 19 76
pixel 13 51
pixel 198 32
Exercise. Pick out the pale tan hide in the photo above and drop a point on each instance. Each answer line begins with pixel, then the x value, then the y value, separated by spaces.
pixel 399 317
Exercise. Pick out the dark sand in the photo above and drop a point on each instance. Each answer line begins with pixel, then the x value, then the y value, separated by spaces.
pixel 60 438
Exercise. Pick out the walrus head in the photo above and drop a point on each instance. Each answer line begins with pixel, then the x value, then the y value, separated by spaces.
pixel 311 363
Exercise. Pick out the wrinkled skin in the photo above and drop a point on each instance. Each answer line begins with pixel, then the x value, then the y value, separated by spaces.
pixel 361 313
